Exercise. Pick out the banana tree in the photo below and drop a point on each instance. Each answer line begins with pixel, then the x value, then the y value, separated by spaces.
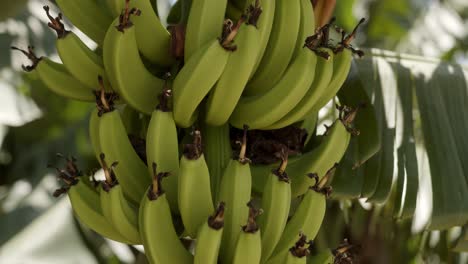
pixel 376 175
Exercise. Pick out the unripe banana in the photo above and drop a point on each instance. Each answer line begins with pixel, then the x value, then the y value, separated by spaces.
pixel 87 15
pixel 307 24
pixel 162 146
pixel 152 37
pixel 323 157
pixel 159 237
pixel 204 24
pixel 132 172
pixel 202 71
pixel 341 64
pixel 227 91
pixel 116 208
pixel 280 47
pixel 261 111
pixel 195 199
pixel 276 201
pixel 82 63
pixel 126 70
pixel 323 76
pixel 248 249
pixel 209 238
pixel 264 25
pixel 307 218
pixel 85 201
pixel 218 153
pixel 56 77
pixel 235 191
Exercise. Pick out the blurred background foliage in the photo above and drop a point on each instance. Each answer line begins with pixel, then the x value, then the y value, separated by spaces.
pixel 35 124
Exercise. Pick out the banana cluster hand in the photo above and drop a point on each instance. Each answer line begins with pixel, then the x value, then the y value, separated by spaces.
pixel 167 105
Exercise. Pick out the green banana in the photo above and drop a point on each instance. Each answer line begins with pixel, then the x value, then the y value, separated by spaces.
pixel 341 67
pixel 248 248
pixel 261 111
pixel 56 77
pixel 319 160
pixel 94 133
pixel 115 206
pixel 280 48
pixel 307 24
pixel 87 15
pixel 126 70
pixel 235 191
pixel 152 37
pixel 82 63
pixel 195 199
pixel 276 201
pixel 162 146
pixel 202 71
pixel 307 218
pixel 353 93
pixel 227 91
pixel 264 25
pixel 85 202
pixel 209 238
pixel 159 237
pixel 218 153
pixel 341 63
pixel 204 24
pixel 323 76
pixel 132 172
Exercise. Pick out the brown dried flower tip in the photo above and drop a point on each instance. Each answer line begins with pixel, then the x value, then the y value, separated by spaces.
pixel 56 23
pixel 109 174
pixel 31 56
pixel 251 226
pixel 230 31
pixel 156 190
pixel 253 12
pixel 68 175
pixel 345 42
pixel 301 248
pixel 104 100
pixel 346 253
pixel 194 150
pixel 124 18
pixel 216 221
pixel 347 115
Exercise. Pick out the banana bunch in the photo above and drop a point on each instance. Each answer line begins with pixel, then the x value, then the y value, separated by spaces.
pixel 167 103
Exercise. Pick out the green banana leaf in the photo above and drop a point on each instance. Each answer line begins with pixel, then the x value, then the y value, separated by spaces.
pixel 418 103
